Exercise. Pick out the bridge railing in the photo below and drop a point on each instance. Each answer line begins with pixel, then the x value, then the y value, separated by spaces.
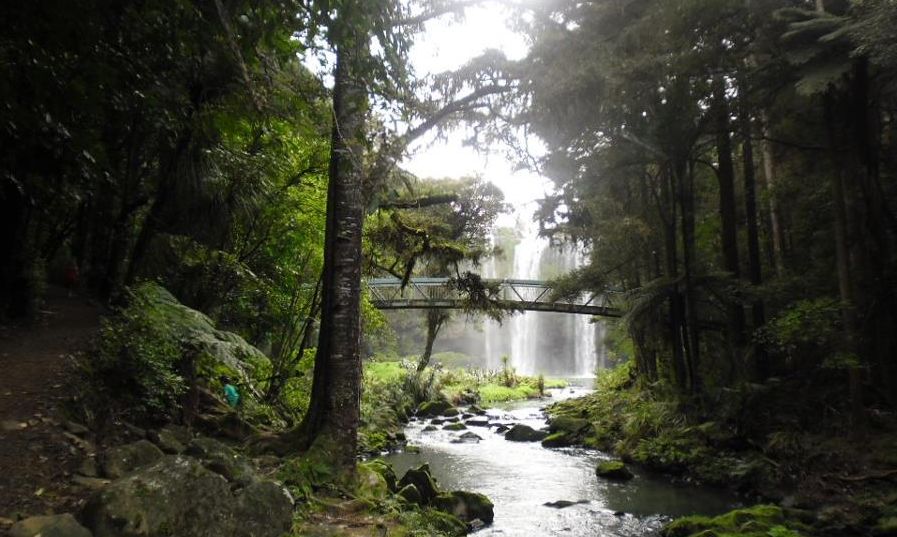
pixel 530 295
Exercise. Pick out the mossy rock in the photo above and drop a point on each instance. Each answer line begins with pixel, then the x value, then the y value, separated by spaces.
pixel 559 439
pixel 385 470
pixel 474 409
pixel 429 409
pixel 455 427
pixel 613 470
pixel 886 526
pixel 430 428
pixel 524 433
pixel 451 412
pixel 467 506
pixel 567 424
pixel 420 477
pixel 761 520
pixel 369 482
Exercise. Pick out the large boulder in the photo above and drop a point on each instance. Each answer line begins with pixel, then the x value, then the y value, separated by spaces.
pixel 422 480
pixel 429 409
pixel 385 470
pixel 468 506
pixel 121 460
pixel 49 526
pixel 567 424
pixel 369 483
pixel 524 433
pixel 614 471
pixel 559 439
pixel 179 496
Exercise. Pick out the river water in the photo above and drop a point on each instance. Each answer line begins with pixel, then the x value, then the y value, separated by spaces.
pixel 519 477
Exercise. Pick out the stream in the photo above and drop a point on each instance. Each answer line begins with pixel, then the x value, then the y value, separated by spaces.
pixel 519 477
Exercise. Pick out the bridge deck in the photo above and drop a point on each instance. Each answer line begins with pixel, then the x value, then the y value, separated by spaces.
pixel 526 295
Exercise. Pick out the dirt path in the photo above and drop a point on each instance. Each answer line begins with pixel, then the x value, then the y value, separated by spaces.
pixel 37 454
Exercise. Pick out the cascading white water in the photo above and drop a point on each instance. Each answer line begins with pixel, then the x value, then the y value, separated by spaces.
pixel 550 343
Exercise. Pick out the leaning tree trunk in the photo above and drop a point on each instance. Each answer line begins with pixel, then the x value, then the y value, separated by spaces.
pixel 436 318
pixel 332 419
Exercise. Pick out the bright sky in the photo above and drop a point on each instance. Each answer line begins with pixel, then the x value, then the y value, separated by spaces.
pixel 447 44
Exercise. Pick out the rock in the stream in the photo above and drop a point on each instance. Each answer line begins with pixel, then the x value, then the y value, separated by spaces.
pixel 467 438
pixel 473 409
pixel 451 412
pixel 122 460
pixel 478 422
pixel 561 504
pixel 467 506
pixel 501 428
pixel 430 428
pixel 559 439
pixel 455 427
pixel 49 526
pixel 613 470
pixel 524 433
pixel 178 496
pixel 422 480
pixel 567 424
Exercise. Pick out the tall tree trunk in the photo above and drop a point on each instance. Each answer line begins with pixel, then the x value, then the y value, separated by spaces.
pixel 677 306
pixel 727 209
pixel 332 419
pixel 684 170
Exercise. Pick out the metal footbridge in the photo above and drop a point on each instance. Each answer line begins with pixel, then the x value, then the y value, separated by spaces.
pixel 525 295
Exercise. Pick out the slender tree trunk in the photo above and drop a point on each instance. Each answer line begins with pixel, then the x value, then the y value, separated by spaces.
pixel 677 306
pixel 691 336
pixel 332 420
pixel 769 175
pixel 435 320
pixel 758 314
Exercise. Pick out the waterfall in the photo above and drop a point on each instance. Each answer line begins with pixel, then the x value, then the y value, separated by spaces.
pixel 554 344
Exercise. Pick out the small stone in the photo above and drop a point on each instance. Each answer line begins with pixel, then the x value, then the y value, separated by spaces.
pixel 49 526
pixel 562 504
pixel 467 438
pixel 76 428
pixel 430 428
pixel 92 483
pixel 10 425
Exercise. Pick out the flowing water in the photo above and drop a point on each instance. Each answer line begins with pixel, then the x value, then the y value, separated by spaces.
pixel 519 477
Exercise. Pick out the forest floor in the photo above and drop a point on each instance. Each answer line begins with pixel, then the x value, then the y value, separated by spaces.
pixel 38 450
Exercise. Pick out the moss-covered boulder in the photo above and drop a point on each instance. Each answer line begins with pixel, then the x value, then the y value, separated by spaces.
pixel 559 439
pixel 524 433
pixel 385 470
pixel 121 460
pixel 369 483
pixel 759 520
pixel 614 470
pixel 429 409
pixel 455 427
pixel 49 526
pixel 467 506
pixel 567 424
pixel 451 412
pixel 422 480
pixel 179 496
